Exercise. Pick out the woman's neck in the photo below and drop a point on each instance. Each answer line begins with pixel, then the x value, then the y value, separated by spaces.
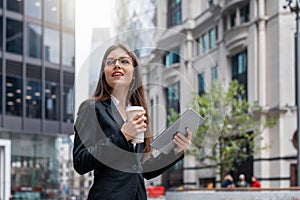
pixel 121 95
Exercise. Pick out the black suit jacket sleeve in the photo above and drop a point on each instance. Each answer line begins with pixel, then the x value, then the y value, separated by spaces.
pixel 92 146
pixel 158 165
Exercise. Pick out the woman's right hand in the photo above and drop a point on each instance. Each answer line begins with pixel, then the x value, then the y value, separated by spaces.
pixel 134 126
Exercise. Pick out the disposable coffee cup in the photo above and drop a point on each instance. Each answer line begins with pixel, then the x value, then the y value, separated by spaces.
pixel 131 111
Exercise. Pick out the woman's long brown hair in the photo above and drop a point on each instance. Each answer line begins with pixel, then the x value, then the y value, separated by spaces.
pixel 136 94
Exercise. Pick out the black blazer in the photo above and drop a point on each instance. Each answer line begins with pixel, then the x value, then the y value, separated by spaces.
pixel 100 146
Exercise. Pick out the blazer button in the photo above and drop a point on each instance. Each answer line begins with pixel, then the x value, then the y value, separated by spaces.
pixel 134 167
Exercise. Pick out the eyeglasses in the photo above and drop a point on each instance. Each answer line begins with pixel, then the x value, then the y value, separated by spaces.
pixel 123 61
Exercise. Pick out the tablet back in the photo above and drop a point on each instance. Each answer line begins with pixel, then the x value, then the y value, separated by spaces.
pixel 164 141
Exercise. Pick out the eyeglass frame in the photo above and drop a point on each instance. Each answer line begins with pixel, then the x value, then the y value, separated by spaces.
pixel 118 59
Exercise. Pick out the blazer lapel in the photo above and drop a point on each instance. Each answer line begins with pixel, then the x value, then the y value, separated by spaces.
pixel 113 112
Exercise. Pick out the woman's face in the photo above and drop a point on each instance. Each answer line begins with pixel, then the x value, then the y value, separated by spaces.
pixel 118 69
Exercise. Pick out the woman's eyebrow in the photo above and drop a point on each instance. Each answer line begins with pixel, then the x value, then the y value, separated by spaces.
pixel 118 58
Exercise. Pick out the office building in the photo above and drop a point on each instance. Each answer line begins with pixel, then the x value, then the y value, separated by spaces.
pixel 248 40
pixel 36 93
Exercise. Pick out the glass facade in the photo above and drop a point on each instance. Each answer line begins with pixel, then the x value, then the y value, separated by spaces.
pixel 34 41
pixel 1 29
pixel 15 5
pixel 14 89
pixel 51 45
pixel 68 50
pixel 51 101
pixel 51 11
pixel 33 8
pixel 33 164
pixel 68 98
pixel 68 14
pixel 35 100
pixel 14 36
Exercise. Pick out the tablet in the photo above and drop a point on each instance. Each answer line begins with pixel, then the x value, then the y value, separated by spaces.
pixel 164 141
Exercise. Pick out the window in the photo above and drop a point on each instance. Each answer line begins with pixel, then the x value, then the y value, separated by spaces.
pixel 68 14
pixel 52 95
pixel 51 9
pixel 201 84
pixel 173 98
pixel 214 73
pixel 51 45
pixel 34 41
pixel 68 51
pixel 217 32
pixel 15 5
pixel 244 14
pixel 14 89
pixel 14 36
pixel 68 98
pixel 211 38
pixel 233 19
pixel 204 43
pixel 1 28
pixel 1 87
pixel 197 47
pixel 33 92
pixel 174 12
pixel 33 8
pixel 239 69
pixel 225 22
pixel 172 57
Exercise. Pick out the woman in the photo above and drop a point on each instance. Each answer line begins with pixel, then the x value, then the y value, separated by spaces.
pixel 103 134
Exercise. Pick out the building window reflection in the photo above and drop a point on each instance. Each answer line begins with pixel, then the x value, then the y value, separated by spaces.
pixel 201 84
pixel 34 41
pixel 1 87
pixel 14 95
pixel 14 36
pixel 174 12
pixel 51 9
pixel 173 98
pixel 68 14
pixel 68 98
pixel 15 5
pixel 68 50
pixel 51 98
pixel 52 95
pixel 33 98
pixel 239 70
pixel 172 57
pixel 1 29
pixel 214 73
pixel 33 8
pixel 51 45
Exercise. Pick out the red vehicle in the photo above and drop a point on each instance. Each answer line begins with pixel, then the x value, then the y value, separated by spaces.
pixel 155 190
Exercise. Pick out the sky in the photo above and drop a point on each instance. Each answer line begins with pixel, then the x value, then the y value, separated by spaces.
pixel 89 14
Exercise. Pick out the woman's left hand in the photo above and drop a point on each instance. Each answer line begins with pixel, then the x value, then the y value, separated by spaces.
pixel 182 142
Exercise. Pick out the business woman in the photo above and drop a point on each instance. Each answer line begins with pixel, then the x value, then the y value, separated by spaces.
pixel 103 134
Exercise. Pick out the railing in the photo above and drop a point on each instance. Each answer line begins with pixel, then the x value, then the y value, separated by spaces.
pixel 235 194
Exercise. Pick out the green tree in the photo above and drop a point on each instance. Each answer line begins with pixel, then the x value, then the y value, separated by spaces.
pixel 232 126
